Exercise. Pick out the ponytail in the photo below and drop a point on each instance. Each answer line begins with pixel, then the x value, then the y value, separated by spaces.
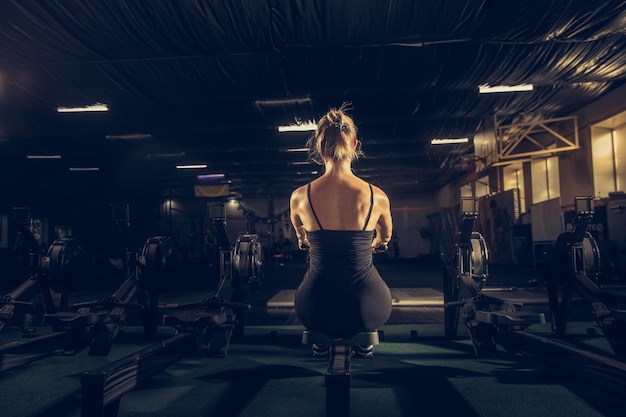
pixel 334 138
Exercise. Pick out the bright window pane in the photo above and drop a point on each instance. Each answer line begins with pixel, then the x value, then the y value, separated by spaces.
pixel 619 136
pixel 514 178
pixel 554 185
pixel 545 179
pixel 603 161
pixel 482 187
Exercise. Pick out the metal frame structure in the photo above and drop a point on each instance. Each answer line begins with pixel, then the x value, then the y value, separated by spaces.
pixel 511 137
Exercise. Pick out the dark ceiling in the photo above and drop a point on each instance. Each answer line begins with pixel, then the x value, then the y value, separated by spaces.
pixel 210 81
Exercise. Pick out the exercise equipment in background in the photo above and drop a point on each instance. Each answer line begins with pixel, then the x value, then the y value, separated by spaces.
pixel 208 325
pixel 574 269
pixel 487 318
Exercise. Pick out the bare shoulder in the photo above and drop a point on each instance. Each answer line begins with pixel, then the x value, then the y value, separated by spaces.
pixel 297 195
pixel 380 195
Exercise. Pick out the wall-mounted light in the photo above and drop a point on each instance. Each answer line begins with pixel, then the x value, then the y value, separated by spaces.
pixel 486 89
pixel 90 108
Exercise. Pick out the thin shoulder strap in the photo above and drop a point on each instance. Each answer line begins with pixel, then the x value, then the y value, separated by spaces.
pixel 371 206
pixel 308 193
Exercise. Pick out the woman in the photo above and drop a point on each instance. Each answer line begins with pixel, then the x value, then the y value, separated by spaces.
pixel 341 219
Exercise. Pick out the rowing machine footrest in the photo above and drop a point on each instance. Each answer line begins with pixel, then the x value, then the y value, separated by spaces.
pixel 364 338
pixel 198 319
pixel 213 328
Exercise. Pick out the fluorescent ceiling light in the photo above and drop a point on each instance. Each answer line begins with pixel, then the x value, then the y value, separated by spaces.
pixel 43 156
pixel 448 141
pixel 485 89
pixel 85 169
pixel 93 107
pixel 165 155
pixel 299 163
pixel 210 177
pixel 283 101
pixel 132 136
pixel 196 166
pixel 299 127
pixel 297 150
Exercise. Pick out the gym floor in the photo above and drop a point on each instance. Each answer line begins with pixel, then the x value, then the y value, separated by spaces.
pixel 415 371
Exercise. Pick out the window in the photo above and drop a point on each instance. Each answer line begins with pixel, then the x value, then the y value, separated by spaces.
pixel 478 188
pixel 545 179
pixel 609 155
pixel 514 179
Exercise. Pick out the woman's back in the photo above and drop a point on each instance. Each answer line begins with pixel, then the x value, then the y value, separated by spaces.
pixel 341 205
pixel 347 203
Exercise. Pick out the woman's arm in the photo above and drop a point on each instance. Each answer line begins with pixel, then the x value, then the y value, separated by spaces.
pixel 384 225
pixel 294 213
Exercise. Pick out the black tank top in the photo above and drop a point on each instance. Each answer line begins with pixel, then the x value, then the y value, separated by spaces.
pixel 341 257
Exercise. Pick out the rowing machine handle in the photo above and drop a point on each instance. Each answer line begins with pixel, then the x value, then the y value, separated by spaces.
pixel 382 248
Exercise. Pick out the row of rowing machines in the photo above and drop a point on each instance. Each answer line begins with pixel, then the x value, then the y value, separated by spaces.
pixel 572 280
pixel 207 324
